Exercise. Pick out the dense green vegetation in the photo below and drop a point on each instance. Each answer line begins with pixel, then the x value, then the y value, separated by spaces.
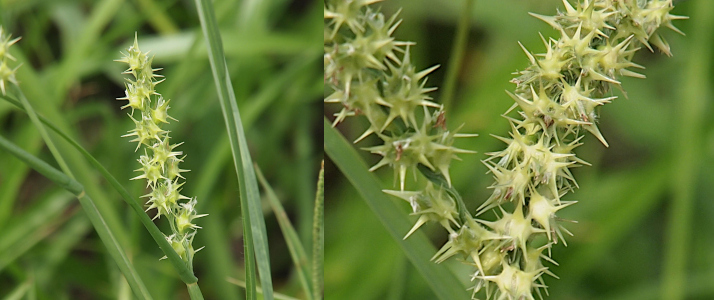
pixel 48 247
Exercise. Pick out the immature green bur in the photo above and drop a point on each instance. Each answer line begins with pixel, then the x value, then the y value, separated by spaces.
pixel 556 100
pixel 159 163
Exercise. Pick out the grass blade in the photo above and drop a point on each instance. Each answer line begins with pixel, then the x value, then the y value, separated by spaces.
pixel 297 250
pixel 688 145
pixel 241 283
pixel 457 54
pixel 255 236
pixel 318 236
pixel 184 273
pixel 417 247
pixel 105 233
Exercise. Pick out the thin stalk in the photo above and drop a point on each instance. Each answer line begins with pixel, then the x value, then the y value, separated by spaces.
pixel 417 247
pixel 292 239
pixel 74 187
pixel 255 235
pixel 278 296
pixel 194 291
pixel 184 273
pixel 46 137
pixel 105 232
pixel 688 150
pixel 457 54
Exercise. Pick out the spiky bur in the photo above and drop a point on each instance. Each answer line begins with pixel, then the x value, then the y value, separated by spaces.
pixel 160 160
pixel 370 74
pixel 556 99
pixel 7 73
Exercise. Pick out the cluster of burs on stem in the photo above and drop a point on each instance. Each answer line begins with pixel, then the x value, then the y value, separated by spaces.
pixel 160 167
pixel 556 100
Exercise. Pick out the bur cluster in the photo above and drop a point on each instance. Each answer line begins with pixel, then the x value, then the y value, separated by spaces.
pixel 371 74
pixel 160 160
pixel 557 98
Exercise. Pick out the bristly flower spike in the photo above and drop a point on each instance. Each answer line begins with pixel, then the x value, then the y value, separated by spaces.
pixel 160 166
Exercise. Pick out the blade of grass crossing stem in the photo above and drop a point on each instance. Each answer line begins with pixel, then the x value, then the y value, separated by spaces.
pixel 105 233
pixel 184 273
pixel 318 236
pixel 417 247
pixel 15 171
pixel 103 229
pixel 255 236
pixel 46 137
pixel 297 251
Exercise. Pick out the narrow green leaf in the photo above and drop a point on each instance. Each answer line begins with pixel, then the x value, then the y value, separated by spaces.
pixel 105 233
pixel 183 271
pixel 318 236
pixel 15 171
pixel 278 296
pixel 457 54
pixel 417 247
pixel 255 236
pixel 297 251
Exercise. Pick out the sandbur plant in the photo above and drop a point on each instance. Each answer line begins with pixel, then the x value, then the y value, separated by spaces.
pixel 160 169
pixel 136 223
pixel 558 99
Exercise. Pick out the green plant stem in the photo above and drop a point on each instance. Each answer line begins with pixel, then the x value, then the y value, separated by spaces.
pixel 457 54
pixel 439 180
pixel 417 247
pixel 184 273
pixel 318 236
pixel 278 296
pixel 46 137
pixel 194 291
pixel 105 232
pixel 74 187
pixel 296 248
pixel 687 151
pixel 255 235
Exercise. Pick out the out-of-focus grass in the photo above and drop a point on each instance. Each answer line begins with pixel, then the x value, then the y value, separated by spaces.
pixel 619 247
pixel 69 76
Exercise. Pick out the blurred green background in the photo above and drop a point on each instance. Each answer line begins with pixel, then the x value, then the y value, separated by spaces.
pixel 654 182
pixel 48 246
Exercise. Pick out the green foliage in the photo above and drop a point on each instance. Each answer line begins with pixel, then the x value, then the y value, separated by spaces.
pixel 68 76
